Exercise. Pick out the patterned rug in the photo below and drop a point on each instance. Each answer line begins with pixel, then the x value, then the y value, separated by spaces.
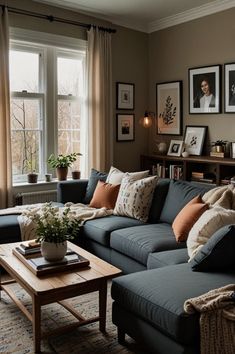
pixel 16 329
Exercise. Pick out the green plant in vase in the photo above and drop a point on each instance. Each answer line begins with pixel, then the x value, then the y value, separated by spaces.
pixel 62 163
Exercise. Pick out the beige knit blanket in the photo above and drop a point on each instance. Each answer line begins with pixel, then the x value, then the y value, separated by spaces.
pixel 217 319
pixel 27 227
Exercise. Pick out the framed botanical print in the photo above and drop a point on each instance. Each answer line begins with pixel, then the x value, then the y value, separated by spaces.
pixel 204 90
pixel 229 88
pixel 169 108
pixel 125 95
pixel 125 127
pixel 194 139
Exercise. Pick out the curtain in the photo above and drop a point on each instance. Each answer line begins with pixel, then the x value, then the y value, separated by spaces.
pixel 100 120
pixel 5 132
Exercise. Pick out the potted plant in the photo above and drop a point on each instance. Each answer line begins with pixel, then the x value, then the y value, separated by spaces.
pixel 53 227
pixel 32 176
pixel 219 145
pixel 61 163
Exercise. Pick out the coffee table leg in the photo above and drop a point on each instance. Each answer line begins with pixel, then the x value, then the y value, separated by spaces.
pixel 36 324
pixel 102 305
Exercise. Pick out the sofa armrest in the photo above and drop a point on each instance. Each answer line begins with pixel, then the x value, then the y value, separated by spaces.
pixel 71 191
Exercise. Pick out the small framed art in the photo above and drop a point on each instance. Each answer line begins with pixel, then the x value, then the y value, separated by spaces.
pixel 175 148
pixel 125 127
pixel 232 150
pixel 169 108
pixel 229 88
pixel 204 89
pixel 194 139
pixel 125 95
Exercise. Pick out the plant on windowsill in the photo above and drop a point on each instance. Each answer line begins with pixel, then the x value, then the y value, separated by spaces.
pixel 61 163
pixel 32 176
pixel 53 227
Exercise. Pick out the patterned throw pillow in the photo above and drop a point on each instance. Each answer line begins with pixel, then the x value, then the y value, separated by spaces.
pixel 135 197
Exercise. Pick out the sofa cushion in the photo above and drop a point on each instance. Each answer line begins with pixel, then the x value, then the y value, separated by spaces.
pixel 105 195
pixel 115 176
pixel 211 221
pixel 135 197
pixel 165 258
pixel 179 194
pixel 95 176
pixel 139 241
pixel 99 229
pixel 159 197
pixel 218 252
pixel 187 218
pixel 9 229
pixel 158 295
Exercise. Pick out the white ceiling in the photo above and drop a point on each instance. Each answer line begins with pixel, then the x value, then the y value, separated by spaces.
pixel 145 15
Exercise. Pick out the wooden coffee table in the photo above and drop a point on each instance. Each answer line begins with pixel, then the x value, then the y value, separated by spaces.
pixel 56 288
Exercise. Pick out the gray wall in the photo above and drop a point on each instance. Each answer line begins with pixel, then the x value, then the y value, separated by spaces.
pixel 202 42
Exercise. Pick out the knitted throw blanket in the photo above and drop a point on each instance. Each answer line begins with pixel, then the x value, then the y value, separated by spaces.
pixel 217 319
pixel 27 227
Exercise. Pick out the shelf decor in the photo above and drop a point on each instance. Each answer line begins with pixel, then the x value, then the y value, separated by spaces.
pixel 125 127
pixel 229 88
pixel 194 139
pixel 125 95
pixel 175 148
pixel 169 108
pixel 204 89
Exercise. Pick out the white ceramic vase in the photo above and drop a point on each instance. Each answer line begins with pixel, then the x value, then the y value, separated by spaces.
pixel 53 251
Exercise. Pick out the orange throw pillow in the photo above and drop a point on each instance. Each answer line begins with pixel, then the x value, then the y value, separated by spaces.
pixel 187 217
pixel 105 195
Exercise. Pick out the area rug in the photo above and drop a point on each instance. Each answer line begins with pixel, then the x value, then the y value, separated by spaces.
pixel 16 329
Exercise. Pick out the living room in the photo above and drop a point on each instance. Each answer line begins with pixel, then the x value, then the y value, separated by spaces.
pixel 145 57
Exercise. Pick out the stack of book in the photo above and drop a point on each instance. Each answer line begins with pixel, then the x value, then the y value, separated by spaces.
pixel 217 154
pixel 207 177
pixel 31 248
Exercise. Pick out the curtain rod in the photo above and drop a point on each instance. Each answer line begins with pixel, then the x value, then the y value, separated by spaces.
pixel 53 18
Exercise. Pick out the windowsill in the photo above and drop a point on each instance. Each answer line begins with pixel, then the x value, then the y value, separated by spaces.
pixel 39 183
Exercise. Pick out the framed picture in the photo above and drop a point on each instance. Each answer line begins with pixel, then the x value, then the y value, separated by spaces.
pixel 125 127
pixel 175 148
pixel 233 150
pixel 194 139
pixel 229 88
pixel 125 95
pixel 204 89
pixel 169 108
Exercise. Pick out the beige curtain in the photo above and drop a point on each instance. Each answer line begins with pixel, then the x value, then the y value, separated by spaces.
pixel 100 120
pixel 5 132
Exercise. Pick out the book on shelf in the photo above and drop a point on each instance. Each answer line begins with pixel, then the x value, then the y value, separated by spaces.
pixel 159 170
pixel 217 154
pixel 197 174
pixel 175 171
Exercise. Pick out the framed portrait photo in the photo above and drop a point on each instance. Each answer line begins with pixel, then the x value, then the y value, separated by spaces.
pixel 204 89
pixel 125 95
pixel 125 127
pixel 169 108
pixel 194 139
pixel 229 88
pixel 175 148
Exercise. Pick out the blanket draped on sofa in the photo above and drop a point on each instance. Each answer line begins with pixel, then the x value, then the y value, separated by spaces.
pixel 217 319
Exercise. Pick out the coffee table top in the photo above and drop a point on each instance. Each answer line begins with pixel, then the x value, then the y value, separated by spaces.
pixel 98 269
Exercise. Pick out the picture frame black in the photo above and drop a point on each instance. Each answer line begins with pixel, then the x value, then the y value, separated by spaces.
pixel 125 127
pixel 125 95
pixel 194 138
pixel 229 87
pixel 175 148
pixel 169 108
pixel 205 89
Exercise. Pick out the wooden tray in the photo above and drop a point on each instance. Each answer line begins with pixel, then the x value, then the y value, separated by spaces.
pixel 31 261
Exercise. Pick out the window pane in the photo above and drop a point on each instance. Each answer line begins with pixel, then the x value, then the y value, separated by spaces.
pixel 68 76
pixel 25 151
pixel 24 71
pixel 25 114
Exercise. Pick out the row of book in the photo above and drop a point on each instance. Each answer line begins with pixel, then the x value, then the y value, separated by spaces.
pixel 175 171
pixel 206 177
pixel 172 171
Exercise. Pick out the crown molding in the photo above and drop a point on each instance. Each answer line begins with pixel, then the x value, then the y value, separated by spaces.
pixel 192 14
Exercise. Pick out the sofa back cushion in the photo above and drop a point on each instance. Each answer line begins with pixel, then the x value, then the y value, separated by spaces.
pixel 159 197
pixel 179 194
pixel 95 176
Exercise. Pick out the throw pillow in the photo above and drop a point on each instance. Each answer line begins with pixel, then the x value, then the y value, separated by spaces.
pixel 105 195
pixel 187 218
pixel 210 221
pixel 218 252
pixel 135 197
pixel 95 176
pixel 213 195
pixel 226 200
pixel 115 176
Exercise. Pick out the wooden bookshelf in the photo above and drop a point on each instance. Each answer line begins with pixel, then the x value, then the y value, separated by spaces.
pixel 215 170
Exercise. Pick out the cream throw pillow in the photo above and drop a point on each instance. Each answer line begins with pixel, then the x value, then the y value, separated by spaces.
pixel 115 176
pixel 210 221
pixel 135 197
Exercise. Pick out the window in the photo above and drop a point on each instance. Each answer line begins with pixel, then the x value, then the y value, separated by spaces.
pixel 47 97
